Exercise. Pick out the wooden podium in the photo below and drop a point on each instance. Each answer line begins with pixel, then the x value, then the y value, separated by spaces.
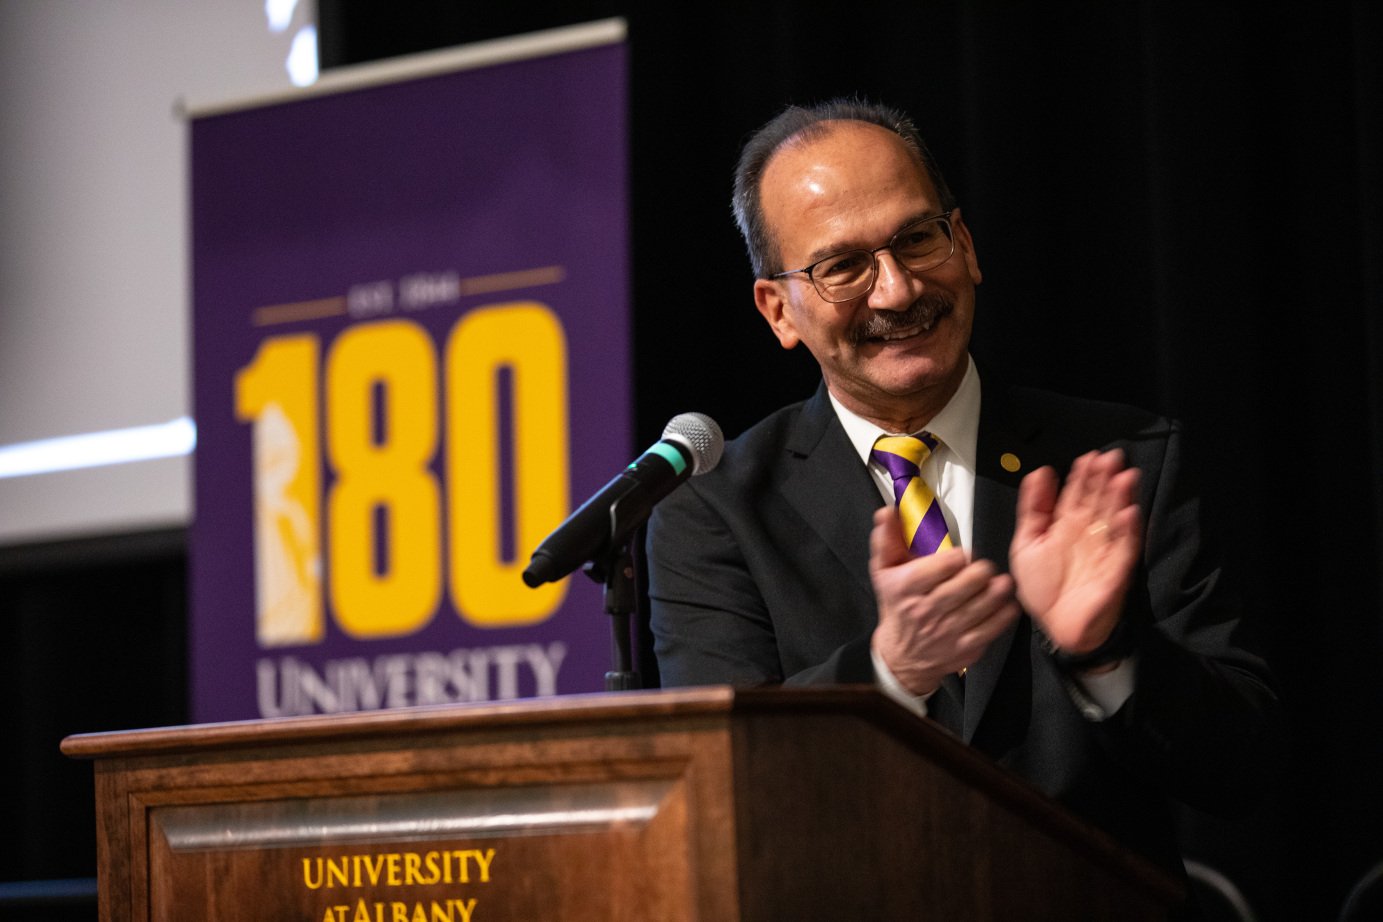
pixel 703 804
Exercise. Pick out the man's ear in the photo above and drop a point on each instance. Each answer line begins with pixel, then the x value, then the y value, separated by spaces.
pixel 768 298
pixel 966 245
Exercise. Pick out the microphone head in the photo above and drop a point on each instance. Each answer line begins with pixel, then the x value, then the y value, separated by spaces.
pixel 700 434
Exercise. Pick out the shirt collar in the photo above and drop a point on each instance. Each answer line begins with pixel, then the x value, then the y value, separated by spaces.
pixel 957 425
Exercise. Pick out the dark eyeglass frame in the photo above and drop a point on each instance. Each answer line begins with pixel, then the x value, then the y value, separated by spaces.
pixel 944 219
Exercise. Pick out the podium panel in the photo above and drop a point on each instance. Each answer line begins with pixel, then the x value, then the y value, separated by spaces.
pixel 700 804
pixel 452 855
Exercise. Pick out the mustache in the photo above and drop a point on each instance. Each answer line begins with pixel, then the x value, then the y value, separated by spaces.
pixel 926 310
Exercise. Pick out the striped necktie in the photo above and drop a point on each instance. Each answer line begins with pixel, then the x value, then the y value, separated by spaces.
pixel 924 527
pixel 902 456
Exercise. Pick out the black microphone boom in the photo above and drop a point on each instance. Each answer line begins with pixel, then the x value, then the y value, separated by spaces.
pixel 691 444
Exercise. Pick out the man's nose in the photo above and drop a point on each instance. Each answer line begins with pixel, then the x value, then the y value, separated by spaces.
pixel 894 286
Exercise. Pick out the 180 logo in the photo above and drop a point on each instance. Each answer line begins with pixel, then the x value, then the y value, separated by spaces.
pixel 373 403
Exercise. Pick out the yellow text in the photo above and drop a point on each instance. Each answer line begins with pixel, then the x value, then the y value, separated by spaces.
pixel 435 911
pixel 399 869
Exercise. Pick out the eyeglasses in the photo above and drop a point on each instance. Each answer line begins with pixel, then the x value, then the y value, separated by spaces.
pixel 919 246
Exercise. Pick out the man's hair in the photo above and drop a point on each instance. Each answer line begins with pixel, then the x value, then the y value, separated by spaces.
pixel 796 125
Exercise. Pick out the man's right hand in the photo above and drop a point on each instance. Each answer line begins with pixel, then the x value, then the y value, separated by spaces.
pixel 937 614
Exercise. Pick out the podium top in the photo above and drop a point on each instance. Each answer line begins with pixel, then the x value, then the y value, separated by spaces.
pixel 862 701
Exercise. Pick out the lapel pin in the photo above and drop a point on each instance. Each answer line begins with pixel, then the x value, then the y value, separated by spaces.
pixel 1009 462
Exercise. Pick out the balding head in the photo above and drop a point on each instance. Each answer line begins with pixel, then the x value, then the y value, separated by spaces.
pixel 801 124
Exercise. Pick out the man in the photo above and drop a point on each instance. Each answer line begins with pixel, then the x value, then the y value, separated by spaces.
pixel 1082 636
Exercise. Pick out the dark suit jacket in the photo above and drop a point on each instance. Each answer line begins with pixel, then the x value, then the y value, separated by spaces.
pixel 758 573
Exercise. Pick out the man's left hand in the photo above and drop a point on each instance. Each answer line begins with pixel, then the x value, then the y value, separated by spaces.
pixel 1073 554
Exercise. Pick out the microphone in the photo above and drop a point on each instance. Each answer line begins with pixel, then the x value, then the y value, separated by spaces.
pixel 691 444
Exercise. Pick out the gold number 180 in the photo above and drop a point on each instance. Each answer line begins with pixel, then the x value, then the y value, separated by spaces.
pixel 384 506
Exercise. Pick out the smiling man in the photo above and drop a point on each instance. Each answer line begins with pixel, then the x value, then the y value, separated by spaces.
pixel 906 525
pixel 890 334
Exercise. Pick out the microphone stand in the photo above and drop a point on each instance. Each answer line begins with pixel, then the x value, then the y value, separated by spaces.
pixel 616 570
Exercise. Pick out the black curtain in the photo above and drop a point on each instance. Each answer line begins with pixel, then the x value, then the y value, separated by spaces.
pixel 1175 205
pixel 93 637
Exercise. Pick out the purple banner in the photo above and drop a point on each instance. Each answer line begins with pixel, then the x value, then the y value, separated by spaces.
pixel 411 347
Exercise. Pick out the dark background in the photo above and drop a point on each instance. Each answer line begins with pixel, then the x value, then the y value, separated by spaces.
pixel 1174 205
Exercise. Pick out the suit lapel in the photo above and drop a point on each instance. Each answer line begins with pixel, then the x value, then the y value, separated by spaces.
pixel 1002 443
pixel 825 481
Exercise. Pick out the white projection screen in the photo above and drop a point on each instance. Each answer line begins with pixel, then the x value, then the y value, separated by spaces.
pixel 94 314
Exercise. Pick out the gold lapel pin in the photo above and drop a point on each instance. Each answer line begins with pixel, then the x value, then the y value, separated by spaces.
pixel 1009 462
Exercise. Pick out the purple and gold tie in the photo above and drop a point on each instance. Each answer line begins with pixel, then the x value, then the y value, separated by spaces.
pixel 924 527
pixel 902 456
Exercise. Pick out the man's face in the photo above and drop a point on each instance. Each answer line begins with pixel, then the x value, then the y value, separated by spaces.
pixel 898 353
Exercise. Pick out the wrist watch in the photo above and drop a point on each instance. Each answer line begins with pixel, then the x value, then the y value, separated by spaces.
pixel 1117 646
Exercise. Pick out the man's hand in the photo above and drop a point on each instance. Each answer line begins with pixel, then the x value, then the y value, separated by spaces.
pixel 1073 555
pixel 937 614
